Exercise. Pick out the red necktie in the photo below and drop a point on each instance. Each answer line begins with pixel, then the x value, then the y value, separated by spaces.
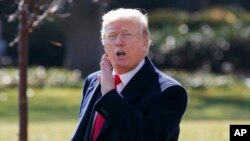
pixel 117 80
pixel 99 119
pixel 97 126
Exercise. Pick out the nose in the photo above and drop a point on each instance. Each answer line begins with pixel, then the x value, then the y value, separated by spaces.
pixel 119 41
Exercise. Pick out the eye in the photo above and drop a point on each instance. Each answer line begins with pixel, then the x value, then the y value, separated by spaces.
pixel 127 34
pixel 112 36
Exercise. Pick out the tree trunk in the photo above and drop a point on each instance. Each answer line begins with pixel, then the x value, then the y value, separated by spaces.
pixel 83 45
pixel 23 62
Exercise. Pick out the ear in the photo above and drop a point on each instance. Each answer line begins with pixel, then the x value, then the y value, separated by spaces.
pixel 145 44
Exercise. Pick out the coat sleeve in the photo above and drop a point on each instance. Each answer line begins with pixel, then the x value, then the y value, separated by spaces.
pixel 159 123
pixel 85 87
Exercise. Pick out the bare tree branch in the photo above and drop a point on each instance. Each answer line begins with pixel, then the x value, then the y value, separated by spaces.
pixel 38 10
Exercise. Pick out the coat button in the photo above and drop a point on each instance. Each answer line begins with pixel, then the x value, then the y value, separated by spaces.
pixel 102 110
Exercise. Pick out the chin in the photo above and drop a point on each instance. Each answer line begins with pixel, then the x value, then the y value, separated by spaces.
pixel 121 67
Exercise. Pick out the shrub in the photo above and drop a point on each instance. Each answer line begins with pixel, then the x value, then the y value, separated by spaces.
pixel 42 77
pixel 213 39
pixel 59 77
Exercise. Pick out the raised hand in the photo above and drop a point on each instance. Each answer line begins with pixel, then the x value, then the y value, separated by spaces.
pixel 106 78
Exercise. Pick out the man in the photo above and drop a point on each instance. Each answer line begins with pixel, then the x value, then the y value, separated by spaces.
pixel 145 105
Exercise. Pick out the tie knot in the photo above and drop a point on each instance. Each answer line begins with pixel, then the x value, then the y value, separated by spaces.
pixel 117 80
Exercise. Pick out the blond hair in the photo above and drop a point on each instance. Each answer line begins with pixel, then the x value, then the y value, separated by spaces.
pixel 126 14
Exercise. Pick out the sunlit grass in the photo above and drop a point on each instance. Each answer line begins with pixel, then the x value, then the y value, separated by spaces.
pixel 53 113
pixel 191 130
pixel 63 103
pixel 207 130
pixel 44 104
pixel 219 103
pixel 39 131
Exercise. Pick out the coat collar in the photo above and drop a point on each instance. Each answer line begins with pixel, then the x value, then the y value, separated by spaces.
pixel 140 81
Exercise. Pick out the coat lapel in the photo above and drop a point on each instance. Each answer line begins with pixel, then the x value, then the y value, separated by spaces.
pixel 139 82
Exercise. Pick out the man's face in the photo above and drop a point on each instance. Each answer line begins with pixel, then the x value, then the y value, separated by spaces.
pixel 124 45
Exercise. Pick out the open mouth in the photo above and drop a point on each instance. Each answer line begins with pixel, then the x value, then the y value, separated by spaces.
pixel 120 53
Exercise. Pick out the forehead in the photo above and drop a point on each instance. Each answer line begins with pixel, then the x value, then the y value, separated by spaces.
pixel 121 25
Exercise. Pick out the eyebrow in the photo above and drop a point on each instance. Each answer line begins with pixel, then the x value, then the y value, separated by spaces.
pixel 123 30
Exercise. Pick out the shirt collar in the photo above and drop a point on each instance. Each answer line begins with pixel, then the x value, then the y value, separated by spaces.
pixel 126 77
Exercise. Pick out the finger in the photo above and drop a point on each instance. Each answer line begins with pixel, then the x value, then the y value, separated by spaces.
pixel 107 68
pixel 102 66
pixel 102 62
pixel 107 63
pixel 105 71
pixel 107 60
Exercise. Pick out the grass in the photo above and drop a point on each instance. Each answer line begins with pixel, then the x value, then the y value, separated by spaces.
pixel 39 131
pixel 53 113
pixel 219 103
pixel 44 104
pixel 207 130
pixel 191 130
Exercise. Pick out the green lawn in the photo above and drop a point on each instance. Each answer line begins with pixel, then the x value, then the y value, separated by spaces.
pixel 39 131
pixel 194 130
pixel 47 104
pixel 207 130
pixel 219 103
pixel 53 113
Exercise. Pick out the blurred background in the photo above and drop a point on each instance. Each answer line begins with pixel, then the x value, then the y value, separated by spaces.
pixel 205 44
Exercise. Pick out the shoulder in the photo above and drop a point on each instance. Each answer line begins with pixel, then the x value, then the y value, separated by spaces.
pixel 91 79
pixel 90 82
pixel 159 78
pixel 166 81
pixel 93 76
pixel 172 91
